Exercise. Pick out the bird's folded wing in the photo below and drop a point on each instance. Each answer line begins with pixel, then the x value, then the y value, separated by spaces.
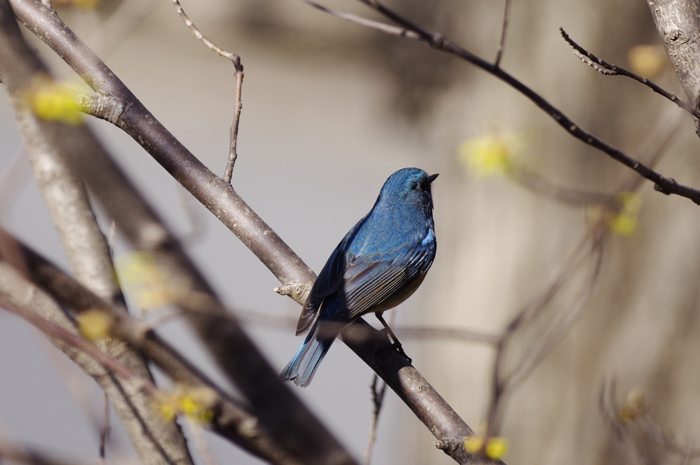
pixel 369 283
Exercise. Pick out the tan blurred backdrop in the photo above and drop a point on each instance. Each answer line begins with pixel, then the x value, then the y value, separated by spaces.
pixel 330 109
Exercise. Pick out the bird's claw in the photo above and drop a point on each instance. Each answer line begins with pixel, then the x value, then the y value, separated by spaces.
pixel 399 348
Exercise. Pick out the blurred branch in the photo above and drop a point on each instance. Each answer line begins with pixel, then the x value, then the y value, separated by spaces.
pixel 377 402
pixel 411 30
pixel 231 420
pixel 503 383
pixel 85 246
pixel 633 426
pixel 406 332
pixel 236 60
pixel 13 177
pixel 22 454
pixel 613 70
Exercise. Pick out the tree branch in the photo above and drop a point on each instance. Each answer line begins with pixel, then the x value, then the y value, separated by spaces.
pixel 230 420
pixel 279 410
pixel 438 41
pixel 224 202
pixel 606 68
pixel 678 24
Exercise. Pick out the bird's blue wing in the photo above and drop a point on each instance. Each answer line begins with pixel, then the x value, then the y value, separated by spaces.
pixel 329 281
pixel 370 282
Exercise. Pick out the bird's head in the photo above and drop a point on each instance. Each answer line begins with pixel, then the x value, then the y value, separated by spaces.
pixel 411 185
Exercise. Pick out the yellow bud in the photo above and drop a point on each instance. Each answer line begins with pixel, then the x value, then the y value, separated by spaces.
pixel 94 324
pixel 473 444
pixel 167 412
pixel 486 156
pixel 635 406
pixel 647 60
pixel 495 449
pixel 141 275
pixel 51 101
pixel 625 221
pixel 195 403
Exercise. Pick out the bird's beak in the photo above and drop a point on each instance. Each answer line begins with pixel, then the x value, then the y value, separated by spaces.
pixel 432 177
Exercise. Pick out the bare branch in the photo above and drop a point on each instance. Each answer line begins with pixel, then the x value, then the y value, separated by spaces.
pixel 383 27
pixel 236 60
pixel 678 23
pixel 504 28
pixel 614 70
pixel 22 454
pixel 280 411
pixel 222 200
pixel 231 419
pixel 438 41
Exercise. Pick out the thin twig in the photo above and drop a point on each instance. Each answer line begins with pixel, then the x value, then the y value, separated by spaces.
pixel 613 70
pixel 636 411
pixel 377 402
pixel 377 25
pixel 502 43
pixel 104 429
pixel 238 106
pixel 438 41
pixel 404 332
pixel 500 384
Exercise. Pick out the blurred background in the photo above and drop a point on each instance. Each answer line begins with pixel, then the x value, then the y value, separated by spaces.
pixel 330 110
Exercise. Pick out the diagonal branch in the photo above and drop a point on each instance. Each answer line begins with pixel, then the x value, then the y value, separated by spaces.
pixel 438 41
pixel 606 68
pixel 238 66
pixel 280 412
pixel 231 419
pixel 220 198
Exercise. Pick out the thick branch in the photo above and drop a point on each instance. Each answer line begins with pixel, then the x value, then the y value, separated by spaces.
pixel 280 411
pixel 678 23
pixel 212 191
pixel 86 247
pixel 230 420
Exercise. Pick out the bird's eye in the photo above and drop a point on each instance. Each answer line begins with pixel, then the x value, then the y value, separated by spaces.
pixel 423 185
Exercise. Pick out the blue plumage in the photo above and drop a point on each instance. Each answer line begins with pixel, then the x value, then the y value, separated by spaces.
pixel 377 265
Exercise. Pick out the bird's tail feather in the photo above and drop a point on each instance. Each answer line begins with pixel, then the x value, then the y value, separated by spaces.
pixel 302 367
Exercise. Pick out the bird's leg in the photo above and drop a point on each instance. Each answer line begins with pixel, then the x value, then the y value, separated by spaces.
pixel 395 341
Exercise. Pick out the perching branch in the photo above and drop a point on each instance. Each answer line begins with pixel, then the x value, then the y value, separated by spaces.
pixel 280 412
pixel 219 197
pixel 504 28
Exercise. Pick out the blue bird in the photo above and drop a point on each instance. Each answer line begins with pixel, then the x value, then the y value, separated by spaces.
pixel 379 263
